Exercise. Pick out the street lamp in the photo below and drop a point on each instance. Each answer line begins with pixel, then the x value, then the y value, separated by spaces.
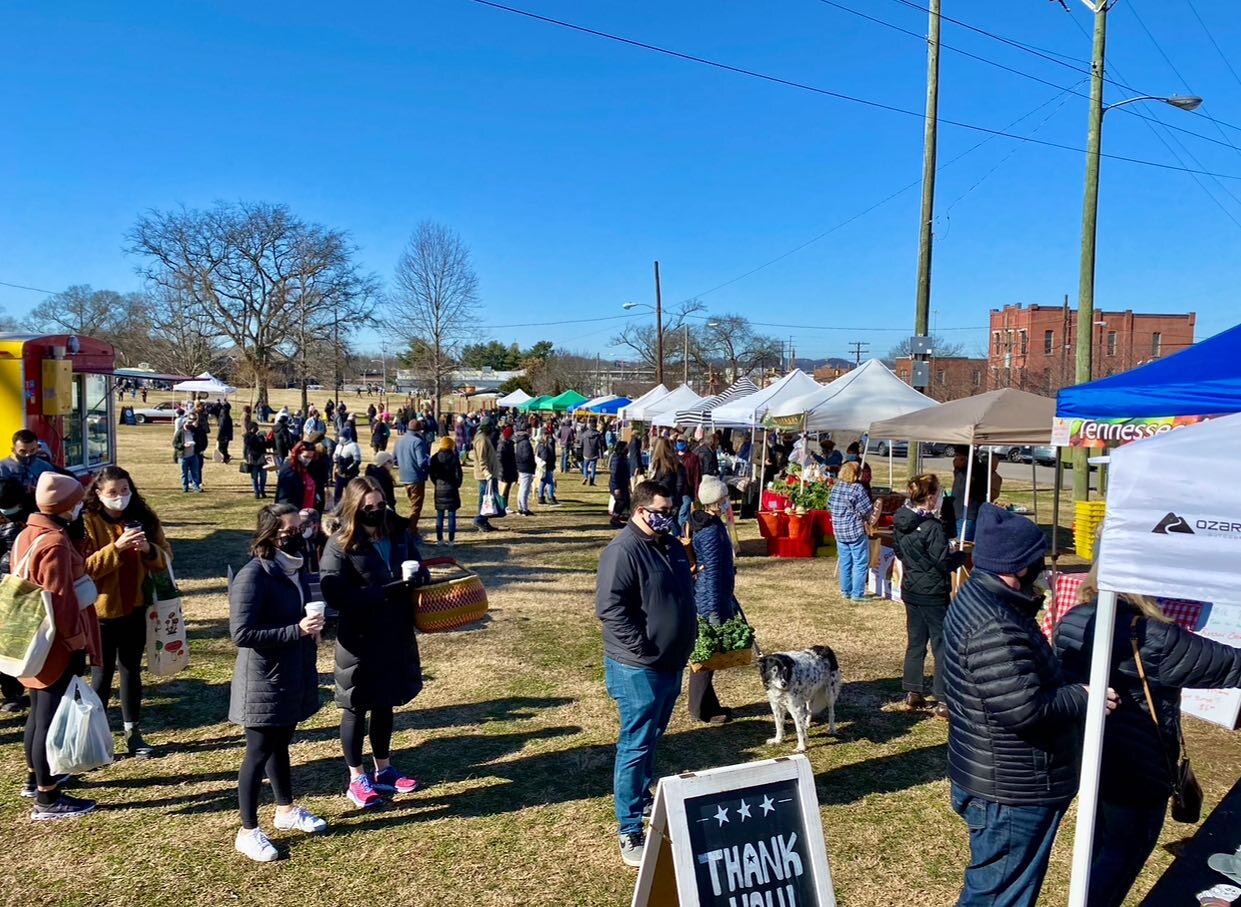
pixel 659 327
pixel 1084 359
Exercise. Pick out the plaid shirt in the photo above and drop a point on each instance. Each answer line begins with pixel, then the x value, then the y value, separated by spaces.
pixel 851 508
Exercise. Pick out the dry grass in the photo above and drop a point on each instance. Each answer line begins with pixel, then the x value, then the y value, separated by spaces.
pixel 513 735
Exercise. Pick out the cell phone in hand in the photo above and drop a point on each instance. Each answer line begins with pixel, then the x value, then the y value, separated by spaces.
pixel 133 524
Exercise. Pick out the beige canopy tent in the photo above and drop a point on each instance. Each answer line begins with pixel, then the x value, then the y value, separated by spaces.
pixel 1006 416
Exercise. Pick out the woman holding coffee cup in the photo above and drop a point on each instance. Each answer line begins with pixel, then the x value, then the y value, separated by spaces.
pixel 275 681
pixel 377 663
pixel 124 543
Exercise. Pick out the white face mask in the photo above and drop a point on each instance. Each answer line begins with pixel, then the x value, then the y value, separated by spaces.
pixel 118 503
pixel 75 512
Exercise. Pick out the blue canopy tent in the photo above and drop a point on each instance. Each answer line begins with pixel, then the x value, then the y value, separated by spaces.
pixel 610 407
pixel 1201 380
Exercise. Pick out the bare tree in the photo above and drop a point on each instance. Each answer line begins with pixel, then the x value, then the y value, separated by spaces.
pixel 641 339
pixel 728 343
pixel 266 280
pixel 435 302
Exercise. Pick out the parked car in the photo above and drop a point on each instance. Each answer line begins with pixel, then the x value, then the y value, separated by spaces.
pixel 878 447
pixel 160 412
pixel 1010 452
pixel 1044 455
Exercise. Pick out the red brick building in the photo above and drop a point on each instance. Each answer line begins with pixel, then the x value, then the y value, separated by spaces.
pixel 1034 348
pixel 952 377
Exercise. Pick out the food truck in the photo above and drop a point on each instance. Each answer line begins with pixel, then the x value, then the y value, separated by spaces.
pixel 59 386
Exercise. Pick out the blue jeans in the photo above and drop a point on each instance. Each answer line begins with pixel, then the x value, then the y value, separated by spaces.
pixel 198 469
pixel 590 469
pixel 439 525
pixel 969 529
pixel 683 512
pixel 854 563
pixel 258 478
pixel 187 472
pixel 547 485
pixel 644 699
pixel 1009 848
pixel 1124 837
pixel 564 459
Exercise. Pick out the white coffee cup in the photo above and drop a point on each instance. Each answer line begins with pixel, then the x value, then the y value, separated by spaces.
pixel 316 609
pixel 409 569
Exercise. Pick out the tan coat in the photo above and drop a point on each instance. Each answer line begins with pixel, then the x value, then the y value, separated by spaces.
pixel 119 575
pixel 486 459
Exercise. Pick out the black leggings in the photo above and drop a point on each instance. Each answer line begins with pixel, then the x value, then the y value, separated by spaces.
pixel 267 753
pixel 43 705
pixel 353 732
pixel 124 640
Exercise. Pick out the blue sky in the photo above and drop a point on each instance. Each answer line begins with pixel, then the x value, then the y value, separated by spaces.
pixel 570 163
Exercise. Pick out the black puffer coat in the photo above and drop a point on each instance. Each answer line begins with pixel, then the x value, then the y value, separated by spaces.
pixel 275 681
pixel 8 535
pixel 922 546
pixel 445 472
pixel 1014 734
pixel 377 661
pixel 508 461
pixel 1136 771
pixel 523 451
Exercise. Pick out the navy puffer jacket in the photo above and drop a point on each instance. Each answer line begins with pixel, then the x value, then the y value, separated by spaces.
pixel 716 580
pixel 1014 733
pixel 1136 770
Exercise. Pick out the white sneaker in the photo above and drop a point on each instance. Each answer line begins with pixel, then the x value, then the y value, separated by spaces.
pixel 300 820
pixel 255 845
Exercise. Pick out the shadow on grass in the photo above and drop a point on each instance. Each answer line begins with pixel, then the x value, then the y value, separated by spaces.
pixel 209 557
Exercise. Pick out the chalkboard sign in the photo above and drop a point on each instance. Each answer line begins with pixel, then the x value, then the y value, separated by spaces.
pixel 127 416
pixel 740 836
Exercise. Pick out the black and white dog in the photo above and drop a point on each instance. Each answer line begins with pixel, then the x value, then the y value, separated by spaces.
pixel 803 683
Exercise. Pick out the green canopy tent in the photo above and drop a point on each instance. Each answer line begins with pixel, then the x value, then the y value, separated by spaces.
pixel 562 402
pixel 535 404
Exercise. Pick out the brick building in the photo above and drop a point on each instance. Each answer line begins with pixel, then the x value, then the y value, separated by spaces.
pixel 1033 348
pixel 952 377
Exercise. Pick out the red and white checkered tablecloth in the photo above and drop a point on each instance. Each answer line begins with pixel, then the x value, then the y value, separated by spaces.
pixel 1068 585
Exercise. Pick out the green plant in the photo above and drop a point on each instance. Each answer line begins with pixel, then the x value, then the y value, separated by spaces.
pixel 729 636
pixel 810 496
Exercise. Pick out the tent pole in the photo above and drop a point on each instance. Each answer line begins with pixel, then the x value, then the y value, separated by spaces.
pixel 1034 485
pixel 1092 747
pixel 990 473
pixel 1058 485
pixel 891 477
pixel 965 505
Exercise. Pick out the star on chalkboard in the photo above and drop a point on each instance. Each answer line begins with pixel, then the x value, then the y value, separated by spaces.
pixel 722 815
pixel 767 806
pixel 743 810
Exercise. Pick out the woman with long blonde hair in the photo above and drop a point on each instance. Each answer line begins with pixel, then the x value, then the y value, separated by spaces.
pixel 667 469
pixel 377 663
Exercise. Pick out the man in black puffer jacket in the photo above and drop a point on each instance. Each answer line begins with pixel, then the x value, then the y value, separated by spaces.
pixel 1014 732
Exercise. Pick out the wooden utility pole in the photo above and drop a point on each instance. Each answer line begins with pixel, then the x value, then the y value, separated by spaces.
pixel 659 330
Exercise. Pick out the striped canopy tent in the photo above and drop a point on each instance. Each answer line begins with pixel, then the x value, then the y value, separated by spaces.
pixel 593 401
pixel 665 411
pixel 561 402
pixel 701 414
pixel 535 404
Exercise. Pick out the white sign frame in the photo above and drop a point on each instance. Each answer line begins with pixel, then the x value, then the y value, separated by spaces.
pixel 668 837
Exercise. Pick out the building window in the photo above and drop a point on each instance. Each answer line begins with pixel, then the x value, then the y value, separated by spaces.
pixel 977 377
pixel 939 376
pixel 1156 344
pixel 1049 341
pixel 1024 341
pixel 997 342
pixel 1111 343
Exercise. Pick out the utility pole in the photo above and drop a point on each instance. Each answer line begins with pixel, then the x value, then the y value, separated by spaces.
pixel 858 350
pixel 1083 361
pixel 685 377
pixel 659 330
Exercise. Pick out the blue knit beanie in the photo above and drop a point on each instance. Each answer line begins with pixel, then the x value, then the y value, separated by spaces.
pixel 1006 542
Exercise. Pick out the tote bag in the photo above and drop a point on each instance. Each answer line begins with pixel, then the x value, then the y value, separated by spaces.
pixel 167 647
pixel 27 628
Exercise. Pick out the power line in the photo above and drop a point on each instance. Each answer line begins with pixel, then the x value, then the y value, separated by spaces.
pixel 865 102
pixel 1214 43
pixel 18 286
pixel 857 348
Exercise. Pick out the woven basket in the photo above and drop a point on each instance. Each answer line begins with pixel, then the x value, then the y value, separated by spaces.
pixel 722 661
pixel 455 598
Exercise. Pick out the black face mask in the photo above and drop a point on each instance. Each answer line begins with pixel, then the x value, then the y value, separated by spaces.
pixel 1031 577
pixel 371 518
pixel 292 545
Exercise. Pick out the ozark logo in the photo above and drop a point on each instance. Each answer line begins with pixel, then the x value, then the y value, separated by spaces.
pixel 1173 523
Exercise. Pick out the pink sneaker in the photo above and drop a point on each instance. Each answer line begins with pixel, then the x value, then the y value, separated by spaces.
pixel 392 781
pixel 361 793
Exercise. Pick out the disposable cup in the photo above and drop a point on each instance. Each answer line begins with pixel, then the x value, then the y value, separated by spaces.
pixel 409 569
pixel 316 609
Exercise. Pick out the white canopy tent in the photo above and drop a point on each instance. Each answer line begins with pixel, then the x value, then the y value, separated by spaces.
pixel 1166 539
pixel 750 410
pixel 701 414
pixel 206 383
pixel 664 412
pixel 516 398
pixel 636 411
pixel 869 393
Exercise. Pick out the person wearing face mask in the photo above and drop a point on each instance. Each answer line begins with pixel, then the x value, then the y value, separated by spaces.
pixel 296 484
pixel 926 583
pixel 693 478
pixel 1014 727
pixel 714 585
pixel 24 465
pixel 377 662
pixel 644 598
pixel 45 555
pixel 275 681
pixel 124 542
pixel 254 448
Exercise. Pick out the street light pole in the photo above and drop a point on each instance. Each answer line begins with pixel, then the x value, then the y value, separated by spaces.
pixel 685 378
pixel 659 330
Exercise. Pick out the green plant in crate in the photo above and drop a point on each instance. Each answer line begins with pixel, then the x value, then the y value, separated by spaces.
pixel 730 636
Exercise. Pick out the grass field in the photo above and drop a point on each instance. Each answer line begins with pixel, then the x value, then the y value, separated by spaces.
pixel 513 736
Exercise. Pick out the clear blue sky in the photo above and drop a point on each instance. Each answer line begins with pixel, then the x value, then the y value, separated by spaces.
pixel 569 163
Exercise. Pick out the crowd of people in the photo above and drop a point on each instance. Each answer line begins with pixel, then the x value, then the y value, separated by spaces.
pixel 1014 702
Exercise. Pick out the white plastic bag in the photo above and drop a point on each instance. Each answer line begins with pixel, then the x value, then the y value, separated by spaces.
pixel 79 739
